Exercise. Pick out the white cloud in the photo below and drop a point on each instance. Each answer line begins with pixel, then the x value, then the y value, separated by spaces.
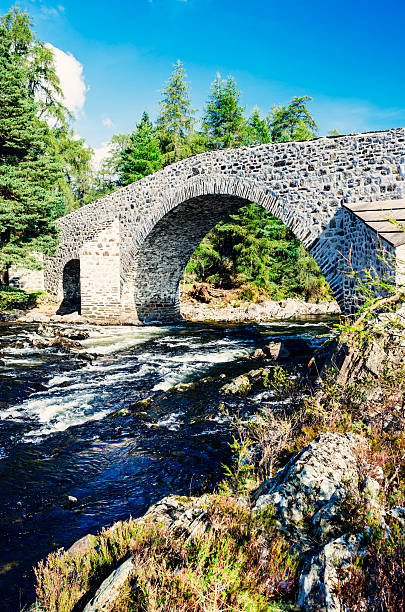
pixel 100 153
pixel 107 122
pixel 349 116
pixel 70 73
pixel 52 11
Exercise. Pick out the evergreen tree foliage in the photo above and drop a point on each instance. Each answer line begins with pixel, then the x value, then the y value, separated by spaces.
pixel 253 248
pixel 142 156
pixel 257 129
pixel 175 121
pixel 75 157
pixel 44 86
pixel 29 170
pixel 224 123
pixel 42 81
pixel 292 122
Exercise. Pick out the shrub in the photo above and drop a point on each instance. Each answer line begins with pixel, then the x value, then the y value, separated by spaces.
pixel 378 576
pixel 11 298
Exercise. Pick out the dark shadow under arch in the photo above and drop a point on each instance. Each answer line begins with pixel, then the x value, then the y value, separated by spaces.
pixel 71 288
pixel 164 254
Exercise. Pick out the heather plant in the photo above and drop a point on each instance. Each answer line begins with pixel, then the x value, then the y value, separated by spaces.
pixel 376 576
pixel 240 563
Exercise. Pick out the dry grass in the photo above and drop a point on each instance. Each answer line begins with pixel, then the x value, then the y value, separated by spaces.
pixel 240 563
pixel 378 577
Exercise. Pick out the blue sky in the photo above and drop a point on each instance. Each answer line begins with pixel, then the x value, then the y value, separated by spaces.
pixel 348 55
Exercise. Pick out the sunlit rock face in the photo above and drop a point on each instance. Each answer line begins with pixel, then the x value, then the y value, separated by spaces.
pixel 134 244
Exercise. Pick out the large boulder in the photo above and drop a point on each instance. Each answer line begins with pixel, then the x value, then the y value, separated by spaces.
pixel 110 589
pixel 320 578
pixel 308 494
pixel 185 516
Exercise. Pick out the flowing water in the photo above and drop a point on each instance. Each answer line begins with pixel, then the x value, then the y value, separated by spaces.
pixel 57 439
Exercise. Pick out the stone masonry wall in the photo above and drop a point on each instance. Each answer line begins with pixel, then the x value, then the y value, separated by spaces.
pixel 159 220
pixel 100 276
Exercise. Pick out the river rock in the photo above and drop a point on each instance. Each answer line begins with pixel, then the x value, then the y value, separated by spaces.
pixel 398 514
pixel 247 311
pixel 184 515
pixel 110 588
pixel 240 386
pixel 320 575
pixel 57 342
pixel 307 494
pixel 81 546
pixel 73 333
pixel 72 317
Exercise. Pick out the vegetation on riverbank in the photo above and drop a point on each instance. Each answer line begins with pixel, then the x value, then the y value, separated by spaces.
pixel 242 560
pixel 222 568
pixel 15 299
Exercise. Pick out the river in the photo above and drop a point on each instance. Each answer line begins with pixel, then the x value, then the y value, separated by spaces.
pixel 57 439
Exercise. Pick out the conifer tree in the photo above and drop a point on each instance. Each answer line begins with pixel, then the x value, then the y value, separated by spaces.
pixel 142 156
pixel 175 122
pixel 29 170
pixel 44 86
pixel 223 122
pixel 42 80
pixel 292 122
pixel 257 129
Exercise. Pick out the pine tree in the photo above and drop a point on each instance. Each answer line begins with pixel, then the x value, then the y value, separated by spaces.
pixel 175 122
pixel 257 129
pixel 29 170
pixel 142 156
pixel 293 122
pixel 223 122
pixel 44 86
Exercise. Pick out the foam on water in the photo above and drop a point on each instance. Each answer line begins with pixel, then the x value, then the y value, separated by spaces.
pixel 104 341
pixel 87 394
pixel 129 359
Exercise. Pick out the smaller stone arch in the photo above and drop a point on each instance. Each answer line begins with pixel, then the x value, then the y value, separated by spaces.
pixel 71 288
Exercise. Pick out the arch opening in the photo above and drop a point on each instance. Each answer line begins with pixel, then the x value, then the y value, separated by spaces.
pixel 71 288
pixel 163 256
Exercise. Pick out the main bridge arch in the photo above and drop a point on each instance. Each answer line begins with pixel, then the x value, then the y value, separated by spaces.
pixel 133 245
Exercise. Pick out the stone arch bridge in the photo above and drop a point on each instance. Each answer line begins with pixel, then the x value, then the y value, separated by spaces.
pixel 124 254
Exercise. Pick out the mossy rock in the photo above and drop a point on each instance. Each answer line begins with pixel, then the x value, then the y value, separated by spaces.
pixel 240 386
pixel 122 412
pixel 141 404
pixel 183 387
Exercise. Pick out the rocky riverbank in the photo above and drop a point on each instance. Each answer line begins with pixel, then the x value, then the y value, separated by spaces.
pixel 248 311
pixel 219 307
pixel 311 513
